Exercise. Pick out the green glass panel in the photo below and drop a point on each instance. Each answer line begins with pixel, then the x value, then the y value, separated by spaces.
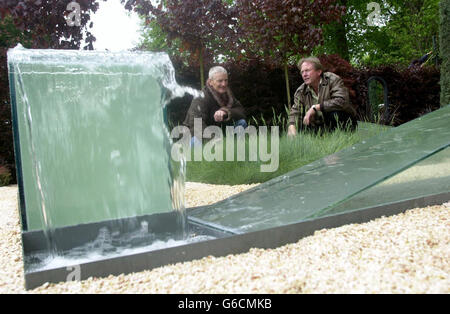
pixel 313 190
pixel 428 177
pixel 93 143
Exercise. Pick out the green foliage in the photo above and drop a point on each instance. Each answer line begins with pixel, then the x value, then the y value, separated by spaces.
pixel 403 32
pixel 154 38
pixel 411 31
pixel 11 35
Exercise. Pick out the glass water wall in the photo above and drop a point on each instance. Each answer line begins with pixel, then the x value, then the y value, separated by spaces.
pixel 90 138
pixel 428 177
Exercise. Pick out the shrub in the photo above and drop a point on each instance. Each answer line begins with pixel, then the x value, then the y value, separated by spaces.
pixel 411 92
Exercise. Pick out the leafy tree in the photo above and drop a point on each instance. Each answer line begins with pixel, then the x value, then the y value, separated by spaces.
pixel 278 30
pixel 404 31
pixel 335 37
pixel 412 29
pixel 156 39
pixel 203 28
pixel 45 22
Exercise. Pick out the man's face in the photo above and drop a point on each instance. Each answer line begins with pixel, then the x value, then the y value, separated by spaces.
pixel 310 75
pixel 219 82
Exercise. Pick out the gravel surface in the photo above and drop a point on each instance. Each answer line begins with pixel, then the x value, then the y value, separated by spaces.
pixel 406 253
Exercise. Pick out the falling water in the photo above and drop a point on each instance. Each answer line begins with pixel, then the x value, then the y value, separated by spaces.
pixel 98 147
pixel 44 214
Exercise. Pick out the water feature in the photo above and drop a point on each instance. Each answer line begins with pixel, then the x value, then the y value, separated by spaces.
pixel 92 141
pixel 109 245
pixel 35 165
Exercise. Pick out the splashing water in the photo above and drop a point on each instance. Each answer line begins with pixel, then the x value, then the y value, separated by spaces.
pixel 110 245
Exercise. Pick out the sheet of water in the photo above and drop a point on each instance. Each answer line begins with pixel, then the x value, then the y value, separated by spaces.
pixel 94 144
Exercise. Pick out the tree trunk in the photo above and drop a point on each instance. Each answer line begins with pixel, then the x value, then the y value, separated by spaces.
pixel 286 77
pixel 336 36
pixel 202 72
pixel 341 40
pixel 444 6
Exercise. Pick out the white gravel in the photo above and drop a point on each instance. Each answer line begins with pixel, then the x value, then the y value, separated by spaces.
pixel 406 253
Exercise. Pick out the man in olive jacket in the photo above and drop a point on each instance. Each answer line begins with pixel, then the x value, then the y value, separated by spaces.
pixel 217 107
pixel 322 100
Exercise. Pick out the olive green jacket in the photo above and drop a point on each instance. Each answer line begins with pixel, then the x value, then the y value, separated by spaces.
pixel 205 107
pixel 333 96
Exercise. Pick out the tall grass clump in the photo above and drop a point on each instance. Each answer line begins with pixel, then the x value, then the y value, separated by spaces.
pixel 294 153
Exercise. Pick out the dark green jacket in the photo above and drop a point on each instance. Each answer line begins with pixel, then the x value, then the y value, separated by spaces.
pixel 333 96
pixel 205 107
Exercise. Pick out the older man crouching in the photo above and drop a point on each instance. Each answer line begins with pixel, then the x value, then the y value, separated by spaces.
pixel 218 106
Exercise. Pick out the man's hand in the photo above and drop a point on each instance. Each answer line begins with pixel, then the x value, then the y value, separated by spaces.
pixel 292 131
pixel 309 116
pixel 220 115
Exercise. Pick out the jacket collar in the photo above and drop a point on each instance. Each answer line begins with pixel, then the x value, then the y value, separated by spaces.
pixel 210 97
pixel 324 81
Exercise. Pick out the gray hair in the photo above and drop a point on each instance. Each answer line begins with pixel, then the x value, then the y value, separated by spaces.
pixel 313 60
pixel 215 70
